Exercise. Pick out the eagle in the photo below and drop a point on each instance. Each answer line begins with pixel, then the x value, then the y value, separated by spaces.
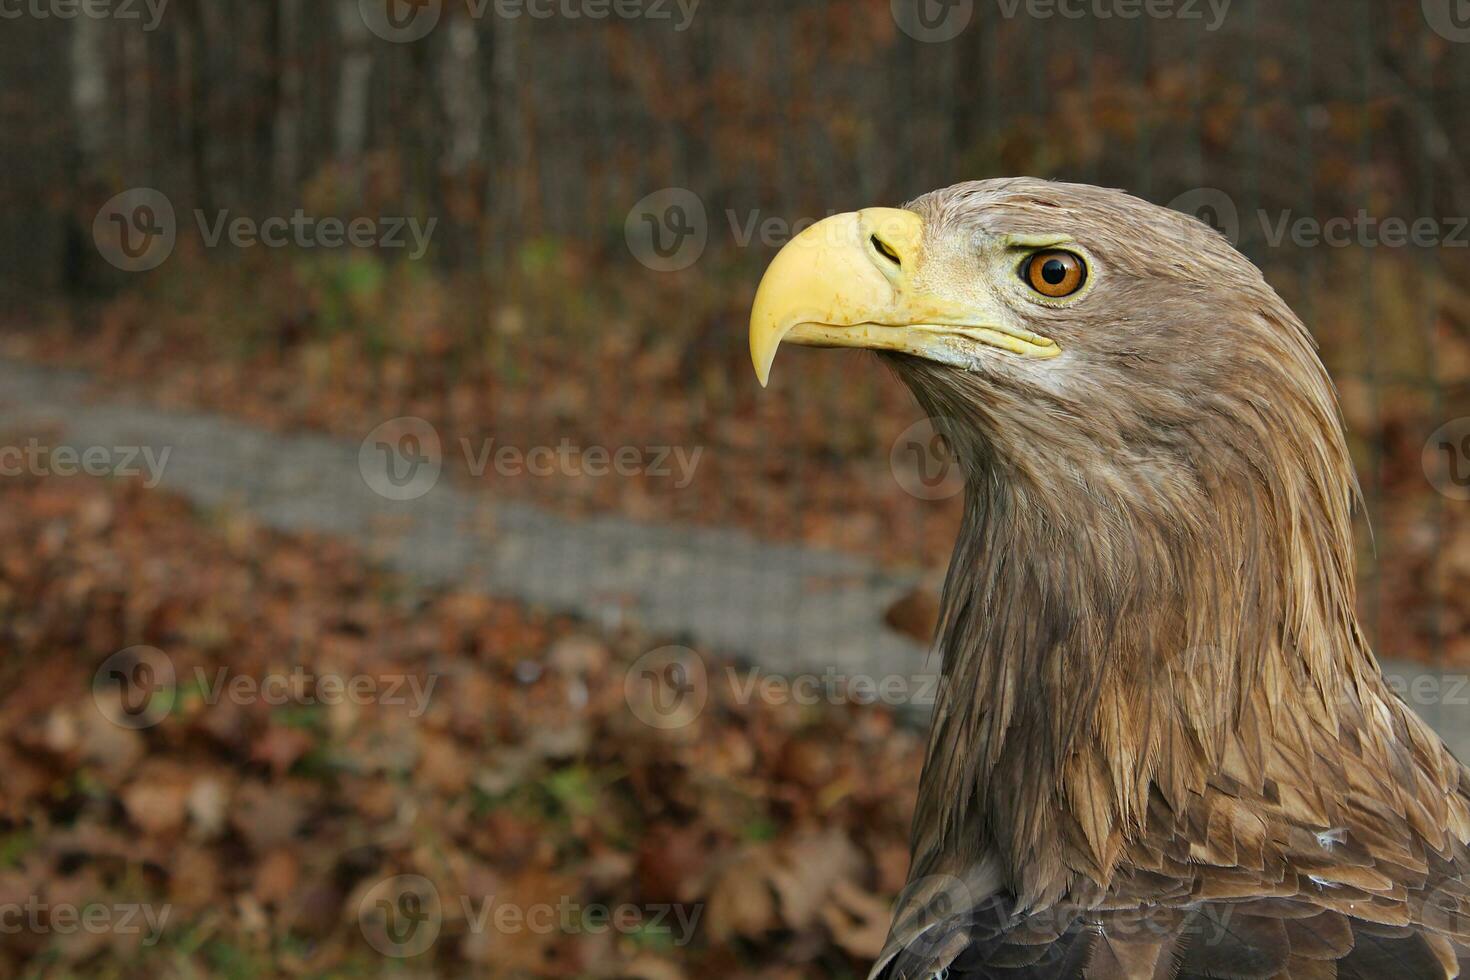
pixel 1162 746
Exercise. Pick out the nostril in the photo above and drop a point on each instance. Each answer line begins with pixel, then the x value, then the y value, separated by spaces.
pixel 883 249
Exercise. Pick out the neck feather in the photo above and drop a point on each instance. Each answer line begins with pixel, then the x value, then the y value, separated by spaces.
pixel 1111 613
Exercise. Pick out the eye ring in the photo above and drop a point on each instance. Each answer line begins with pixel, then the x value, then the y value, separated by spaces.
pixel 1054 273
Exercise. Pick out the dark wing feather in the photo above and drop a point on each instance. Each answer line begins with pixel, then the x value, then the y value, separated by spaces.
pixel 1216 941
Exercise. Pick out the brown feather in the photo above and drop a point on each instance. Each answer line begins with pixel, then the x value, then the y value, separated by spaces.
pixel 1157 705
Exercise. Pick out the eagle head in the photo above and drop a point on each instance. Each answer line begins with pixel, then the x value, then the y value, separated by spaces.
pixel 1063 334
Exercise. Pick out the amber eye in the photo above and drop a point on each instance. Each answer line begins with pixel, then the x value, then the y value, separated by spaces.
pixel 1054 273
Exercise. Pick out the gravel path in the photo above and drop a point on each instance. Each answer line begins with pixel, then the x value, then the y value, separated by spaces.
pixel 771 604
pixel 783 609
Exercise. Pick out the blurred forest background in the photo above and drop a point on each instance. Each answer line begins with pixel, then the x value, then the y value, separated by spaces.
pixel 532 142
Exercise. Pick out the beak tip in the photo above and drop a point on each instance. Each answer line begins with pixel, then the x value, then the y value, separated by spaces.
pixel 762 373
pixel 763 346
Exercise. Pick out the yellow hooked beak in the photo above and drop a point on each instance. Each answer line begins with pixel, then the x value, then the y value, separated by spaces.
pixel 851 281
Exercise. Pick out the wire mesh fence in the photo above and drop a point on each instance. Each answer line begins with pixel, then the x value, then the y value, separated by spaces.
pixel 458 565
pixel 549 219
